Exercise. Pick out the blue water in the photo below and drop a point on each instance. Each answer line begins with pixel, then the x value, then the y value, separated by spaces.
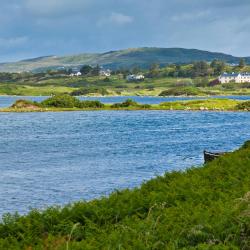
pixel 57 158
pixel 6 101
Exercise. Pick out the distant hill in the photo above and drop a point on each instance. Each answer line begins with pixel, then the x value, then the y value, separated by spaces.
pixel 142 57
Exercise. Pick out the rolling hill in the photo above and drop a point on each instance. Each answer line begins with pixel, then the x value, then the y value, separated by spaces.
pixel 142 57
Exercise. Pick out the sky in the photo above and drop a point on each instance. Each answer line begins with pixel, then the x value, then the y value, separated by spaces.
pixel 33 28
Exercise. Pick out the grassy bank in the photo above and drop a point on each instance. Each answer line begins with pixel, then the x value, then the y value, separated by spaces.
pixel 200 208
pixel 70 103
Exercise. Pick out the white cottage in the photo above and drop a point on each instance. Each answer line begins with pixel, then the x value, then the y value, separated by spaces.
pixel 135 77
pixel 106 73
pixel 75 74
pixel 234 77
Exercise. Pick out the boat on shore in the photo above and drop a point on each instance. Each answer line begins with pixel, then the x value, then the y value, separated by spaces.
pixel 210 156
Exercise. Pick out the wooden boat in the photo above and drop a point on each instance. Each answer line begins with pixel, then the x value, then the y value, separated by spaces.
pixel 210 156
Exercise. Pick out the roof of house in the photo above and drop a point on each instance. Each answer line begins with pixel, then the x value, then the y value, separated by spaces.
pixel 235 74
pixel 245 74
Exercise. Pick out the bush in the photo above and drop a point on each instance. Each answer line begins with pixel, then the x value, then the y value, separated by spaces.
pixel 244 106
pixel 127 103
pixel 91 104
pixel 61 101
pixel 130 103
pixel 68 101
pixel 145 106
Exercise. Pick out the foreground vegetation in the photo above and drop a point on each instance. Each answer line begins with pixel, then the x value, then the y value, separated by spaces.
pixel 200 208
pixel 69 103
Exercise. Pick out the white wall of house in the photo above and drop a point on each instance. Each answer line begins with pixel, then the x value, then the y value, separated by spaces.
pixel 106 73
pixel 75 74
pixel 135 77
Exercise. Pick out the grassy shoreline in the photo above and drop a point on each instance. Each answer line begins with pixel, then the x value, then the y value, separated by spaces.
pixel 199 208
pixel 131 94
pixel 130 105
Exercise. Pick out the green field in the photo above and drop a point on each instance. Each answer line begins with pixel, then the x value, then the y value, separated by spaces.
pixel 206 207
pixel 116 87
pixel 197 79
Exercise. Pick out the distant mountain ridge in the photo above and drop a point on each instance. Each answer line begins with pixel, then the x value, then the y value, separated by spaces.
pixel 141 57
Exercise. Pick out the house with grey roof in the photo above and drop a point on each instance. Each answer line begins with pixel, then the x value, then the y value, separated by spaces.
pixel 234 77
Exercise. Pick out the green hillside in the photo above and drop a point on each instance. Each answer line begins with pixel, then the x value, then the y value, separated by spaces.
pixel 200 208
pixel 128 58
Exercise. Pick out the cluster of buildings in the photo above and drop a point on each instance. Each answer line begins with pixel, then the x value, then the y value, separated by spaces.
pixel 234 77
pixel 107 73
pixel 102 72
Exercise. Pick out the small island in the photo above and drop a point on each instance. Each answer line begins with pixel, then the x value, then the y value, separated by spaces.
pixel 65 102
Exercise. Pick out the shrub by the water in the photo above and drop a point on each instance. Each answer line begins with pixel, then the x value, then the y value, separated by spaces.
pixel 200 208
pixel 145 106
pixel 91 104
pixel 243 106
pixel 61 101
pixel 125 104
pixel 68 101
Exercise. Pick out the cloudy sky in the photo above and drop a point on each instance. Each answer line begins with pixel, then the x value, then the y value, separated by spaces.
pixel 31 28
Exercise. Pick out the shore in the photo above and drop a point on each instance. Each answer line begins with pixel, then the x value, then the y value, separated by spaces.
pixel 191 105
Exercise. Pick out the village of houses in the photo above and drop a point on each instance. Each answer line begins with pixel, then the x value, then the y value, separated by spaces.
pixel 223 78
pixel 107 73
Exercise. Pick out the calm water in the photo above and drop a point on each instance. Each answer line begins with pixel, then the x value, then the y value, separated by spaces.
pixel 6 101
pixel 56 158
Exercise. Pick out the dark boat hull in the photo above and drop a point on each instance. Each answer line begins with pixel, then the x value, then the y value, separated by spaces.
pixel 209 156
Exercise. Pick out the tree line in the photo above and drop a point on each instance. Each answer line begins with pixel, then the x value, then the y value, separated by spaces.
pixel 195 69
